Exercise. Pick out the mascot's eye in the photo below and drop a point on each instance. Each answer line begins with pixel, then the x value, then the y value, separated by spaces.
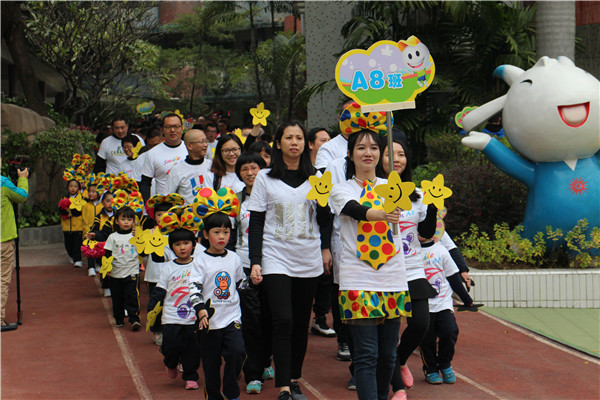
pixel 418 54
pixel 410 56
pixel 527 81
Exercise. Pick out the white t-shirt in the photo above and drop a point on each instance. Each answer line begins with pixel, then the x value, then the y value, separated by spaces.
pixel 153 269
pixel 158 162
pixel 447 241
pixel 291 239
pixel 331 150
pixel 337 168
pixel 130 168
pixel 186 179
pixel 221 274
pixel 439 265
pixel 229 180
pixel 125 262
pixel 210 151
pixel 409 223
pixel 112 151
pixel 243 222
pixel 355 274
pixel 175 279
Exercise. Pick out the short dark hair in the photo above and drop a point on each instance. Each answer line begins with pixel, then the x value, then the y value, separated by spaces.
pixel 211 124
pixel 118 118
pixel 133 139
pixel 311 136
pixel 126 212
pixel 169 115
pixel 259 146
pixel 249 158
pixel 162 207
pixel 181 234
pixel 216 220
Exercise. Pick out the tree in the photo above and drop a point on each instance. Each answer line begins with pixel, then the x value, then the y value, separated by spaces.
pixel 99 48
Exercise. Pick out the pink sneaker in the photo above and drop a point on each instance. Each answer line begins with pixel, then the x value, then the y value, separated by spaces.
pixel 191 385
pixel 399 395
pixel 407 377
pixel 172 372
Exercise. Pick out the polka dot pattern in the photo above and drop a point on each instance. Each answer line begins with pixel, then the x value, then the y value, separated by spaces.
pixel 209 201
pixel 353 120
pixel 359 304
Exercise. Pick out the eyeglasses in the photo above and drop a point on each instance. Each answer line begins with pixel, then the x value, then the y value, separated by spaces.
pixel 204 141
pixel 231 151
pixel 171 127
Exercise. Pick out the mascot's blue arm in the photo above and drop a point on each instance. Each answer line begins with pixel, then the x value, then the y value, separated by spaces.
pixel 510 163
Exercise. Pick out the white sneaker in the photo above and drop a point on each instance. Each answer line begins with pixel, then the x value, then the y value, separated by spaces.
pixel 106 292
pixel 77 264
pixel 91 272
pixel 320 328
pixel 158 338
pixel 126 313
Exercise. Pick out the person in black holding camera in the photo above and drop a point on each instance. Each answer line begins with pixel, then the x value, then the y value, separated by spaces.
pixel 8 232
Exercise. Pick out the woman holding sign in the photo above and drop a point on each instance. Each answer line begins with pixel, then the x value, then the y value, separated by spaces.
pixel 373 289
pixel 286 252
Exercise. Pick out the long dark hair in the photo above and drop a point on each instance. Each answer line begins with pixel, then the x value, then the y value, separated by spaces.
pixel 406 175
pixel 278 166
pixel 218 165
pixel 353 139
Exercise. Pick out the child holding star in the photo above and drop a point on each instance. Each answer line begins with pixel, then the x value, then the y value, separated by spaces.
pixel 72 223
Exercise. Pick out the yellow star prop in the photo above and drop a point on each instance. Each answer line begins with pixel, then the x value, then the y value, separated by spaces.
pixel 238 133
pixel 151 316
pixel 77 202
pixel 260 114
pixel 136 150
pixel 155 242
pixel 139 240
pixel 435 191
pixel 395 192
pixel 106 265
pixel 90 243
pixel 320 188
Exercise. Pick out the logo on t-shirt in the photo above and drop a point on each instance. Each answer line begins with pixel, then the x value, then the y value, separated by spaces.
pixel 223 283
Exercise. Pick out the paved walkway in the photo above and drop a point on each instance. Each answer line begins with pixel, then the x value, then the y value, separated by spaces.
pixel 68 348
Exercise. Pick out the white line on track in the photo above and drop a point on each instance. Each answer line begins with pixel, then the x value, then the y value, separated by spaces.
pixel 478 386
pixel 542 339
pixel 318 395
pixel 136 374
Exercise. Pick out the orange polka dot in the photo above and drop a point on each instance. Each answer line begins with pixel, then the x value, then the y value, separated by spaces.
pixel 367 228
pixel 380 227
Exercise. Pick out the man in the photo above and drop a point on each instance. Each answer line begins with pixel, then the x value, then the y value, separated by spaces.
pixel 160 159
pixel 335 148
pixel 211 135
pixel 8 233
pixel 110 154
pixel 187 177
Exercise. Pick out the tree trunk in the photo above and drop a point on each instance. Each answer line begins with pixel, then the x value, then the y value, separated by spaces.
pixel 12 31
pixel 555 29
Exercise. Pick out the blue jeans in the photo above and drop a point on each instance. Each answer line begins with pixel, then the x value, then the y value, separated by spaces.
pixel 374 356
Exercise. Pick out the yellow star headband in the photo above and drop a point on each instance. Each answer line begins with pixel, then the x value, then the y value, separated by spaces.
pixel 132 200
pixel 208 202
pixel 179 217
pixel 353 120
pixel 174 199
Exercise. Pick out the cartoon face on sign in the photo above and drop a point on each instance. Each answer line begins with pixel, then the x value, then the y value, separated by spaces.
pixel 387 72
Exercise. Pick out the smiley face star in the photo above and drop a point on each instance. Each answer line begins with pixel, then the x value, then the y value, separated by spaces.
pixel 435 191
pixel 395 192
pixel 155 242
pixel 259 114
pixel 139 240
pixel 106 265
pixel 321 188
pixel 91 243
pixel 77 202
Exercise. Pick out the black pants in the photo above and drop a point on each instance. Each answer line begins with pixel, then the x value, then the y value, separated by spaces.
pixel 411 338
pixel 73 241
pixel 323 296
pixel 257 331
pixel 229 344
pixel 180 343
pixel 125 294
pixel 290 301
pixel 341 329
pixel 438 356
pixel 157 325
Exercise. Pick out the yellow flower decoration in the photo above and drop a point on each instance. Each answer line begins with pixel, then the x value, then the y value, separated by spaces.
pixel 76 160
pixel 238 133
pixel 260 114
pixel 77 202
pixel 155 242
pixel 395 192
pixel 139 239
pixel 435 192
pixel 106 265
pixel 151 316
pixel 90 243
pixel 320 188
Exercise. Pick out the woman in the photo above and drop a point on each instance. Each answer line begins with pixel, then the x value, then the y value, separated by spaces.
pixel 373 292
pixel 286 253
pixel 420 220
pixel 229 148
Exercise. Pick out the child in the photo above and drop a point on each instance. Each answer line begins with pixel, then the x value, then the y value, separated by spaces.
pixel 443 274
pixel 179 340
pixel 88 214
pixel 72 224
pixel 124 276
pixel 219 271
pixel 102 228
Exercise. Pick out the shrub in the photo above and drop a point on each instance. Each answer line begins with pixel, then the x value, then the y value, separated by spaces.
pixel 40 214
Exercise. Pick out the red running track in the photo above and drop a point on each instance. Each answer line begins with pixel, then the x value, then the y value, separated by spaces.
pixel 67 348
